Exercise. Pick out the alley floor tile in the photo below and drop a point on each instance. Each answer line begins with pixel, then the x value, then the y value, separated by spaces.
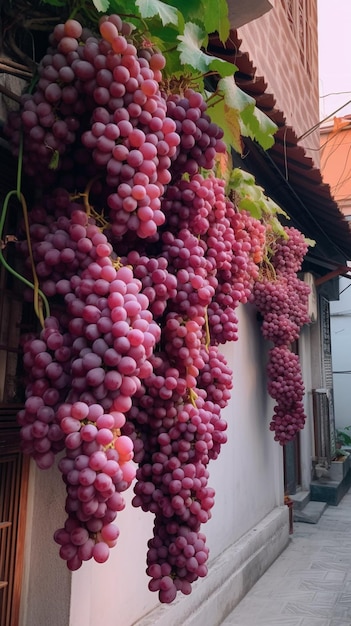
pixel 310 582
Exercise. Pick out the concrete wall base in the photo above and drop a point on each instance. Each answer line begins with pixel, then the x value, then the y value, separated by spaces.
pixel 231 575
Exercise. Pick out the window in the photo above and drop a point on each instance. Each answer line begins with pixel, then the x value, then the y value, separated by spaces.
pixel 299 14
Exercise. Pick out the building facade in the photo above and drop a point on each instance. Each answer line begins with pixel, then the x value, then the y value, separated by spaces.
pixel 336 167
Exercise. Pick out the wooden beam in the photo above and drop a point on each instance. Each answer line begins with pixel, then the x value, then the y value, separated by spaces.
pixel 342 270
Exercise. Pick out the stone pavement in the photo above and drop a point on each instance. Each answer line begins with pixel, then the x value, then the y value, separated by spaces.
pixel 310 582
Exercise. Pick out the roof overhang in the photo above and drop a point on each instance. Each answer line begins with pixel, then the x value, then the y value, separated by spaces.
pixel 242 12
pixel 287 174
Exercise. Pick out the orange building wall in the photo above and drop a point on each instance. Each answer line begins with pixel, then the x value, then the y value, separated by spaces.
pixel 294 87
pixel 336 160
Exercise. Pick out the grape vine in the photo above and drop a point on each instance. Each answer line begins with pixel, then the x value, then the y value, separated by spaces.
pixel 143 257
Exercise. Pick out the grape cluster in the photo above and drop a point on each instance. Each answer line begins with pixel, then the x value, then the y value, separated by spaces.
pixel 236 282
pixel 200 138
pixel 230 243
pixel 99 94
pixel 176 557
pixel 131 135
pixel 286 387
pixel 45 360
pixel 158 284
pixel 176 431
pixel 96 469
pixel 172 483
pixel 282 300
pixel 97 365
pixel 215 376
pixel 289 252
pixel 52 116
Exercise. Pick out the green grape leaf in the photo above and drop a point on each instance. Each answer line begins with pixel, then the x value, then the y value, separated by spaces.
pixel 247 204
pixel 239 176
pixel 252 197
pixel 101 5
pixel 119 6
pixel 190 9
pixel 258 126
pixel 191 42
pixel 150 8
pixel 254 123
pixel 235 97
pixel 55 3
pixel 216 18
pixel 229 120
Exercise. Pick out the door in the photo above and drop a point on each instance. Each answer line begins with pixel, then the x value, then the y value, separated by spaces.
pixel 291 456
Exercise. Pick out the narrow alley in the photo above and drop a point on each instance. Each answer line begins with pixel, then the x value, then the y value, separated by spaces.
pixel 310 582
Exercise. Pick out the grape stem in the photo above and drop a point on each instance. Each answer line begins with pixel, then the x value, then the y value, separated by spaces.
pixel 192 397
pixel 211 102
pixel 207 330
pixel 39 297
pixel 89 209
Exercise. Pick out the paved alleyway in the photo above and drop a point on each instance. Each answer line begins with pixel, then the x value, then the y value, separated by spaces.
pixel 310 583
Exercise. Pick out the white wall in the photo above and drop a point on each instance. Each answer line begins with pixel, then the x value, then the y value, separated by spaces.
pixel 340 325
pixel 247 476
pixel 46 582
pixel 307 434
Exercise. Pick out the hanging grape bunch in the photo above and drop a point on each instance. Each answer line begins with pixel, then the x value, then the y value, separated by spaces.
pixel 282 300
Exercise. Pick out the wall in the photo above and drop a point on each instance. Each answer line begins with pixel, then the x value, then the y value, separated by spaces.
pixel 248 479
pixel 336 170
pixel 307 434
pixel 340 325
pixel 46 584
pixel 275 52
pixel 335 160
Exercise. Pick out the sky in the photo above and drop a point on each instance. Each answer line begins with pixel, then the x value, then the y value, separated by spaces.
pixel 334 42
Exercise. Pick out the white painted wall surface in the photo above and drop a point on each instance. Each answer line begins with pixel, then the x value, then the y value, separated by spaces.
pixel 46 582
pixel 340 324
pixel 247 476
pixel 307 434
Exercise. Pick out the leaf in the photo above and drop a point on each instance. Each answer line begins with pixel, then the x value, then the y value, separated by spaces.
pixel 252 197
pixel 235 97
pixel 119 7
pixel 232 122
pixel 101 5
pixel 191 42
pixel 55 3
pixel 258 126
pixel 229 120
pixel 164 38
pixel 254 123
pixel 239 176
pixel 216 18
pixel 150 8
pixel 247 204
pixel 191 10
pixel 223 165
